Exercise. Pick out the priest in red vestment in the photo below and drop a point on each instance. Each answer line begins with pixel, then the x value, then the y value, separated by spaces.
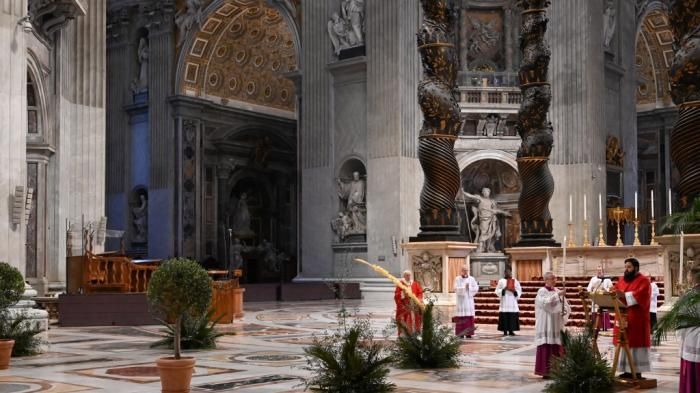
pixel 634 289
pixel 407 312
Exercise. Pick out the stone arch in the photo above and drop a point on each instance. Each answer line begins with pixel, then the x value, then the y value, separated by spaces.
pixel 653 56
pixel 466 159
pixel 240 55
pixel 36 77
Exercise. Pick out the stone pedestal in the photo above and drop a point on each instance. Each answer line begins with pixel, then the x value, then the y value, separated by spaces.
pixel 486 267
pixel 435 265
pixel 344 266
pixel 36 319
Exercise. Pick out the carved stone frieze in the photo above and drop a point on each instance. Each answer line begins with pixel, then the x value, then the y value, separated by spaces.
pixel 427 269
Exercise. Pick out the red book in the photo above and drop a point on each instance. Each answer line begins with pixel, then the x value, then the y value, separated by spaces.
pixel 510 284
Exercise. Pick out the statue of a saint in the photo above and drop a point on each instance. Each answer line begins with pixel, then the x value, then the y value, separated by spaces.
pixel 353 192
pixel 609 23
pixel 354 13
pixel 359 219
pixel 140 84
pixel 241 218
pixel 140 217
pixel 341 37
pixel 188 17
pixel 487 230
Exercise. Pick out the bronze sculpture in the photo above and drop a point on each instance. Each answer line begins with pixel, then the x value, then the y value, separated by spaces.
pixel 438 99
pixel 534 128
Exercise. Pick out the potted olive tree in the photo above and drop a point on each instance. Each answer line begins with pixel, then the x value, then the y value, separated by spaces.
pixel 11 290
pixel 179 287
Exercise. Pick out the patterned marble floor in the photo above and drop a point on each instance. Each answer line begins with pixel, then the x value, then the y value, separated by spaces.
pixel 265 355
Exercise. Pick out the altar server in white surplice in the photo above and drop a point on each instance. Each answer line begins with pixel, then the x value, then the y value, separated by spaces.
pixel 509 291
pixel 551 314
pixel 465 289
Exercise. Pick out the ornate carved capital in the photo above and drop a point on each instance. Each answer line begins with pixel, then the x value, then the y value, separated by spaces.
pixel 118 26
pixel 160 16
pixel 50 16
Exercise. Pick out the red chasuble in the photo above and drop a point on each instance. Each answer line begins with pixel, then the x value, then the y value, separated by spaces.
pixel 638 324
pixel 407 312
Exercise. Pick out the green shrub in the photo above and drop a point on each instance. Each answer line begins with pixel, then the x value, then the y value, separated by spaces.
pixel 23 333
pixel 195 333
pixel 11 286
pixel 179 287
pixel 580 369
pixel 433 347
pixel 683 315
pixel 687 221
pixel 348 361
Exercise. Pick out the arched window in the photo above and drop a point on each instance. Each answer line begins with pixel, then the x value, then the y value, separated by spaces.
pixel 33 114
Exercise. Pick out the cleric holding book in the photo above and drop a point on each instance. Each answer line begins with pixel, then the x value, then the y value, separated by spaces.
pixel 634 290
pixel 509 291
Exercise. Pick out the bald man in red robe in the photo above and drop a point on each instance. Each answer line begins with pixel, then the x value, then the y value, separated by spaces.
pixel 407 312
pixel 634 289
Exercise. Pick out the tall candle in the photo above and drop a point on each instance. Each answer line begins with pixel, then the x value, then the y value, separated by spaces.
pixel 585 216
pixel 563 263
pixel 600 208
pixel 571 208
pixel 682 253
pixel 670 202
pixel 635 205
pixel 652 204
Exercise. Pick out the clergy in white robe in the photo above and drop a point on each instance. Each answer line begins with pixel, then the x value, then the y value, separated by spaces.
pixel 551 314
pixel 599 283
pixel 654 305
pixel 508 291
pixel 690 346
pixel 465 289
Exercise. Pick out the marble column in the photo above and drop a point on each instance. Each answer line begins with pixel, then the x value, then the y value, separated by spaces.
pixel 13 128
pixel 577 113
pixel 80 156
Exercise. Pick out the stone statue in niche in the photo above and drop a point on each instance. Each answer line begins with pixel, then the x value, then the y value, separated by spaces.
pixel 359 219
pixel 609 22
pixel 352 218
pixel 341 36
pixel 270 256
pixel 485 222
pixel 140 84
pixel 354 13
pixel 241 218
pixel 187 18
pixel 341 226
pixel 427 269
pixel 353 191
pixel 140 219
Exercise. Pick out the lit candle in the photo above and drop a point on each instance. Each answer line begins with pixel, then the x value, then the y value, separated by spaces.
pixel 585 215
pixel 600 208
pixel 670 202
pixel 635 205
pixel 571 209
pixel 563 263
pixel 652 204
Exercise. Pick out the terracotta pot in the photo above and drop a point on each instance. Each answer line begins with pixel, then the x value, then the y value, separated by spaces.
pixel 5 353
pixel 175 375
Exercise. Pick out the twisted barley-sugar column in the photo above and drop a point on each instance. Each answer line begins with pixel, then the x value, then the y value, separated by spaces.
pixel 534 129
pixel 685 91
pixel 437 97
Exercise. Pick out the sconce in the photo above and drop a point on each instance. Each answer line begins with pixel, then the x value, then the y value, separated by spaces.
pixel 18 205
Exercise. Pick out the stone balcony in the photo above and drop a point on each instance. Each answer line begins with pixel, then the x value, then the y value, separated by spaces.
pixel 489 99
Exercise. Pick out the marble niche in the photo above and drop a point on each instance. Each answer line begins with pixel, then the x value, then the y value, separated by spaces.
pixel 349 226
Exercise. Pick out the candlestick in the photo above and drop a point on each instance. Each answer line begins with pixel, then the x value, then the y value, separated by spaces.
pixel 586 243
pixel 636 234
pixel 653 233
pixel 600 208
pixel 601 239
pixel 571 209
pixel 635 205
pixel 571 242
pixel 652 204
pixel 585 213
pixel 670 202
pixel 563 259
pixel 619 242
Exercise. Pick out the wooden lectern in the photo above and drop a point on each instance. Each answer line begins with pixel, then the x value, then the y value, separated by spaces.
pixel 609 301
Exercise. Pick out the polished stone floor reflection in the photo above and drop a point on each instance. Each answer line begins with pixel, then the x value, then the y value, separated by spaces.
pixel 265 355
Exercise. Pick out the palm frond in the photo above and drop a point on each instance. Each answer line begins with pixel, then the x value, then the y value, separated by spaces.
pixel 197 332
pixel 685 221
pixel 580 369
pixel 685 313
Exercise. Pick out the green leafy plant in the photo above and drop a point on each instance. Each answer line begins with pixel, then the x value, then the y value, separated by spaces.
pixel 11 286
pixel 20 330
pixel 684 221
pixel 197 332
pixel 433 347
pixel 684 314
pixel 348 361
pixel 179 287
pixel 580 369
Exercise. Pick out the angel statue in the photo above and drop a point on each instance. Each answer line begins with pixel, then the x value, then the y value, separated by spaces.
pixel 185 19
pixel 484 35
pixel 340 35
